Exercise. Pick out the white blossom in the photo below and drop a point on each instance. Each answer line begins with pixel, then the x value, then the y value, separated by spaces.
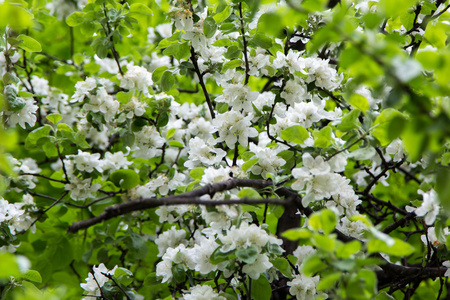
pixel 305 288
pixel 294 91
pixel 26 115
pixel 87 162
pixel 302 252
pixel 233 127
pixel 147 142
pixel 204 153
pixel 40 85
pixel 115 161
pixel 268 161
pixel 170 238
pixel 136 78
pixel 83 88
pixel 81 189
pixel 430 206
pixel 96 280
pixel 238 96
pixel 202 292
pixel 183 18
pixel 396 148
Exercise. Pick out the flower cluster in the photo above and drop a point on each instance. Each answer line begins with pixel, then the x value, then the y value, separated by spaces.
pixel 16 216
pixel 96 280
pixel 251 246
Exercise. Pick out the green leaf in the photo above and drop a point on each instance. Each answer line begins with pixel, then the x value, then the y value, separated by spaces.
pixel 76 19
pixel 179 274
pixel 283 266
pixel 224 14
pixel 388 126
pixel 296 134
pixel 261 40
pixel 415 140
pixel 399 248
pixel 209 27
pixel 218 256
pixel 324 220
pixel 297 233
pixel 119 272
pixel 14 16
pixel 270 24
pixel 124 98
pixel 325 242
pixel 312 264
pixel 141 9
pixel 54 118
pixel 50 149
pixel 350 121
pixel 163 119
pixel 247 255
pixel 248 164
pixel 359 101
pixel 197 173
pixel 125 179
pixel 170 133
pixel 29 44
pixel 249 193
pixel 33 275
pixel 323 138
pixel 233 52
pixel 8 265
pixel 328 281
pixel 363 153
pixel 157 74
pixel 221 107
pixel 138 247
pixel 396 8
pixel 443 187
pixel 222 43
pixel 261 289
pixel 348 249
pixel 34 136
pixel 167 81
pixel 177 50
pixel 232 64
pixel 176 144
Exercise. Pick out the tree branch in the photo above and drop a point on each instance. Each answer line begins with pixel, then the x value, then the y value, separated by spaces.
pixel 244 41
pixel 148 203
pixel 202 83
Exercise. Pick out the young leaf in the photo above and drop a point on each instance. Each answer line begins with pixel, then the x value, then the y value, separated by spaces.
pixel 209 27
pixel 125 179
pixel 29 44
pixel 296 134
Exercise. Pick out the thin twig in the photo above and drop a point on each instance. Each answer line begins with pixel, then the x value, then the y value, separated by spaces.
pixel 43 176
pixel 108 33
pixel 116 284
pixel 48 208
pixel 346 148
pixel 247 68
pixel 202 83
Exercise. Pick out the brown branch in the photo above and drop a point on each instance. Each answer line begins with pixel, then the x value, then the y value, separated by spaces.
pixel 193 197
pixel 202 83
pixel 43 176
pixel 393 274
pixel 399 223
pixel 148 203
pixel 108 33
pixel 244 41
pixel 348 147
